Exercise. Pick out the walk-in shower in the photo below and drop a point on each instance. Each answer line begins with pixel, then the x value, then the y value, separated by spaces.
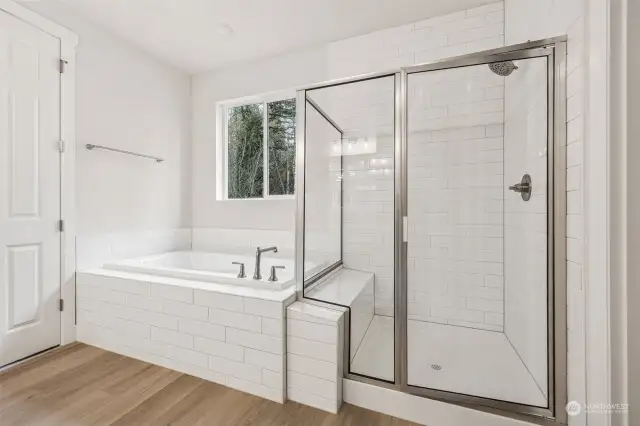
pixel 441 188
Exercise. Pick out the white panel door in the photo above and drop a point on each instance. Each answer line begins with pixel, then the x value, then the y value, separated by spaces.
pixel 29 190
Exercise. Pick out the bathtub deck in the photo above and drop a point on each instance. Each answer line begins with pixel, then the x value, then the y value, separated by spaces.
pixel 81 385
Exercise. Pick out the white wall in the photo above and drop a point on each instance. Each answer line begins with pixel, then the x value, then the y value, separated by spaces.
pixel 126 99
pixel 282 72
pixel 527 20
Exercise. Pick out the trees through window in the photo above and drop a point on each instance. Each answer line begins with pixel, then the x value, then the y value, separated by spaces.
pixel 260 149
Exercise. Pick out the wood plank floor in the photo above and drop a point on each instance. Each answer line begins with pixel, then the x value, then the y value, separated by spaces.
pixel 82 385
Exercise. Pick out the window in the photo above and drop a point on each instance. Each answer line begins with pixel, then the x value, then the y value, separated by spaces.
pixel 260 149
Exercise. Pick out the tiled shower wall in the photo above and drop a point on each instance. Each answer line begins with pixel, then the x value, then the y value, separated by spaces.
pixel 322 186
pixel 455 199
pixel 525 266
pixel 528 20
pixel 367 110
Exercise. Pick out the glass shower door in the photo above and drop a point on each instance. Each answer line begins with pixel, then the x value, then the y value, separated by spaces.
pixel 349 208
pixel 477 239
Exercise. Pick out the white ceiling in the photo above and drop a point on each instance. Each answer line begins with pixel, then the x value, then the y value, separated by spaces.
pixel 186 33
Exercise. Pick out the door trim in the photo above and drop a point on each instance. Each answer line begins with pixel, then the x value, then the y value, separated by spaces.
pixel 68 43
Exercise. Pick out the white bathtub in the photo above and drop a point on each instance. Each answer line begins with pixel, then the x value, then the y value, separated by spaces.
pixel 210 267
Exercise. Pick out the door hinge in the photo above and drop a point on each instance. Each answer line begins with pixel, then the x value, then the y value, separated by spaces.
pixel 61 146
pixel 61 305
pixel 61 225
pixel 63 64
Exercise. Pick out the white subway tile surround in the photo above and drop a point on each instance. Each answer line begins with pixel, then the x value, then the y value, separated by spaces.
pixel 449 115
pixel 212 239
pixel 314 356
pixel 455 202
pixel 93 251
pixel 527 20
pixel 234 340
pixel 353 289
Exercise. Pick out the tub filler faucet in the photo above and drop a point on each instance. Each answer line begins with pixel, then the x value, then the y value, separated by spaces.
pixel 259 251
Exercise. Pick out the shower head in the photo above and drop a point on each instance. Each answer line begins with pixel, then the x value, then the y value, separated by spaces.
pixel 502 69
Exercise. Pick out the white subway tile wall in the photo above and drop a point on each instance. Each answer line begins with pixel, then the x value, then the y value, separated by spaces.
pixel 528 20
pixel 431 39
pixel 365 112
pixel 94 251
pixel 575 240
pixel 322 214
pixel 215 239
pixel 235 341
pixel 314 356
pixel 526 222
pixel 455 201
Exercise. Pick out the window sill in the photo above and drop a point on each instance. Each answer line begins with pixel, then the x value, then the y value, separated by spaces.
pixel 274 198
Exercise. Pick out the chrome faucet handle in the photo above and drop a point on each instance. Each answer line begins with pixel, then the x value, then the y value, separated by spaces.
pixel 273 276
pixel 241 274
pixel 524 187
pixel 257 275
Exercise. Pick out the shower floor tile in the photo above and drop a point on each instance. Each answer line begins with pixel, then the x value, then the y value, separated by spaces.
pixel 455 359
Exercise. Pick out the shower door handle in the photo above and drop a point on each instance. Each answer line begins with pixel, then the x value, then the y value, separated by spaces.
pixel 524 187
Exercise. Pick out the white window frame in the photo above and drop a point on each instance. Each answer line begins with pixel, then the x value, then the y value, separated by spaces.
pixel 222 144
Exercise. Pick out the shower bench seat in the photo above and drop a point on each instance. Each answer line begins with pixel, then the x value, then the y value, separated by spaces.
pixel 354 290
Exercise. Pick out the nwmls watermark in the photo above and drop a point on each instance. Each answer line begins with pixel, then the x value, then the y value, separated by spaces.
pixel 574 408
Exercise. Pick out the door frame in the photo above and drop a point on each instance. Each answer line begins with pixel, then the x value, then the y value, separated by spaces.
pixel 555 50
pixel 68 43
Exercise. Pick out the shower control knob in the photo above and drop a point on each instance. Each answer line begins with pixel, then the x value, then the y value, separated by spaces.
pixel 520 187
pixel 524 187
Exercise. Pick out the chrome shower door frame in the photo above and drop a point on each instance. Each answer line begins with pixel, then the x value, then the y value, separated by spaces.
pixel 554 49
pixel 555 52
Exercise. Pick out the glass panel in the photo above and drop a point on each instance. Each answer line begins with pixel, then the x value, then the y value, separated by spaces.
pixel 245 136
pixel 323 190
pixel 349 213
pixel 477 251
pixel 282 146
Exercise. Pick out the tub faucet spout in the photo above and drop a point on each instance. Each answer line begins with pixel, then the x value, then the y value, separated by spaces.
pixel 257 275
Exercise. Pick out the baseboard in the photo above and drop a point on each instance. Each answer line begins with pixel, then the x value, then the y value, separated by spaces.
pixel 417 409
